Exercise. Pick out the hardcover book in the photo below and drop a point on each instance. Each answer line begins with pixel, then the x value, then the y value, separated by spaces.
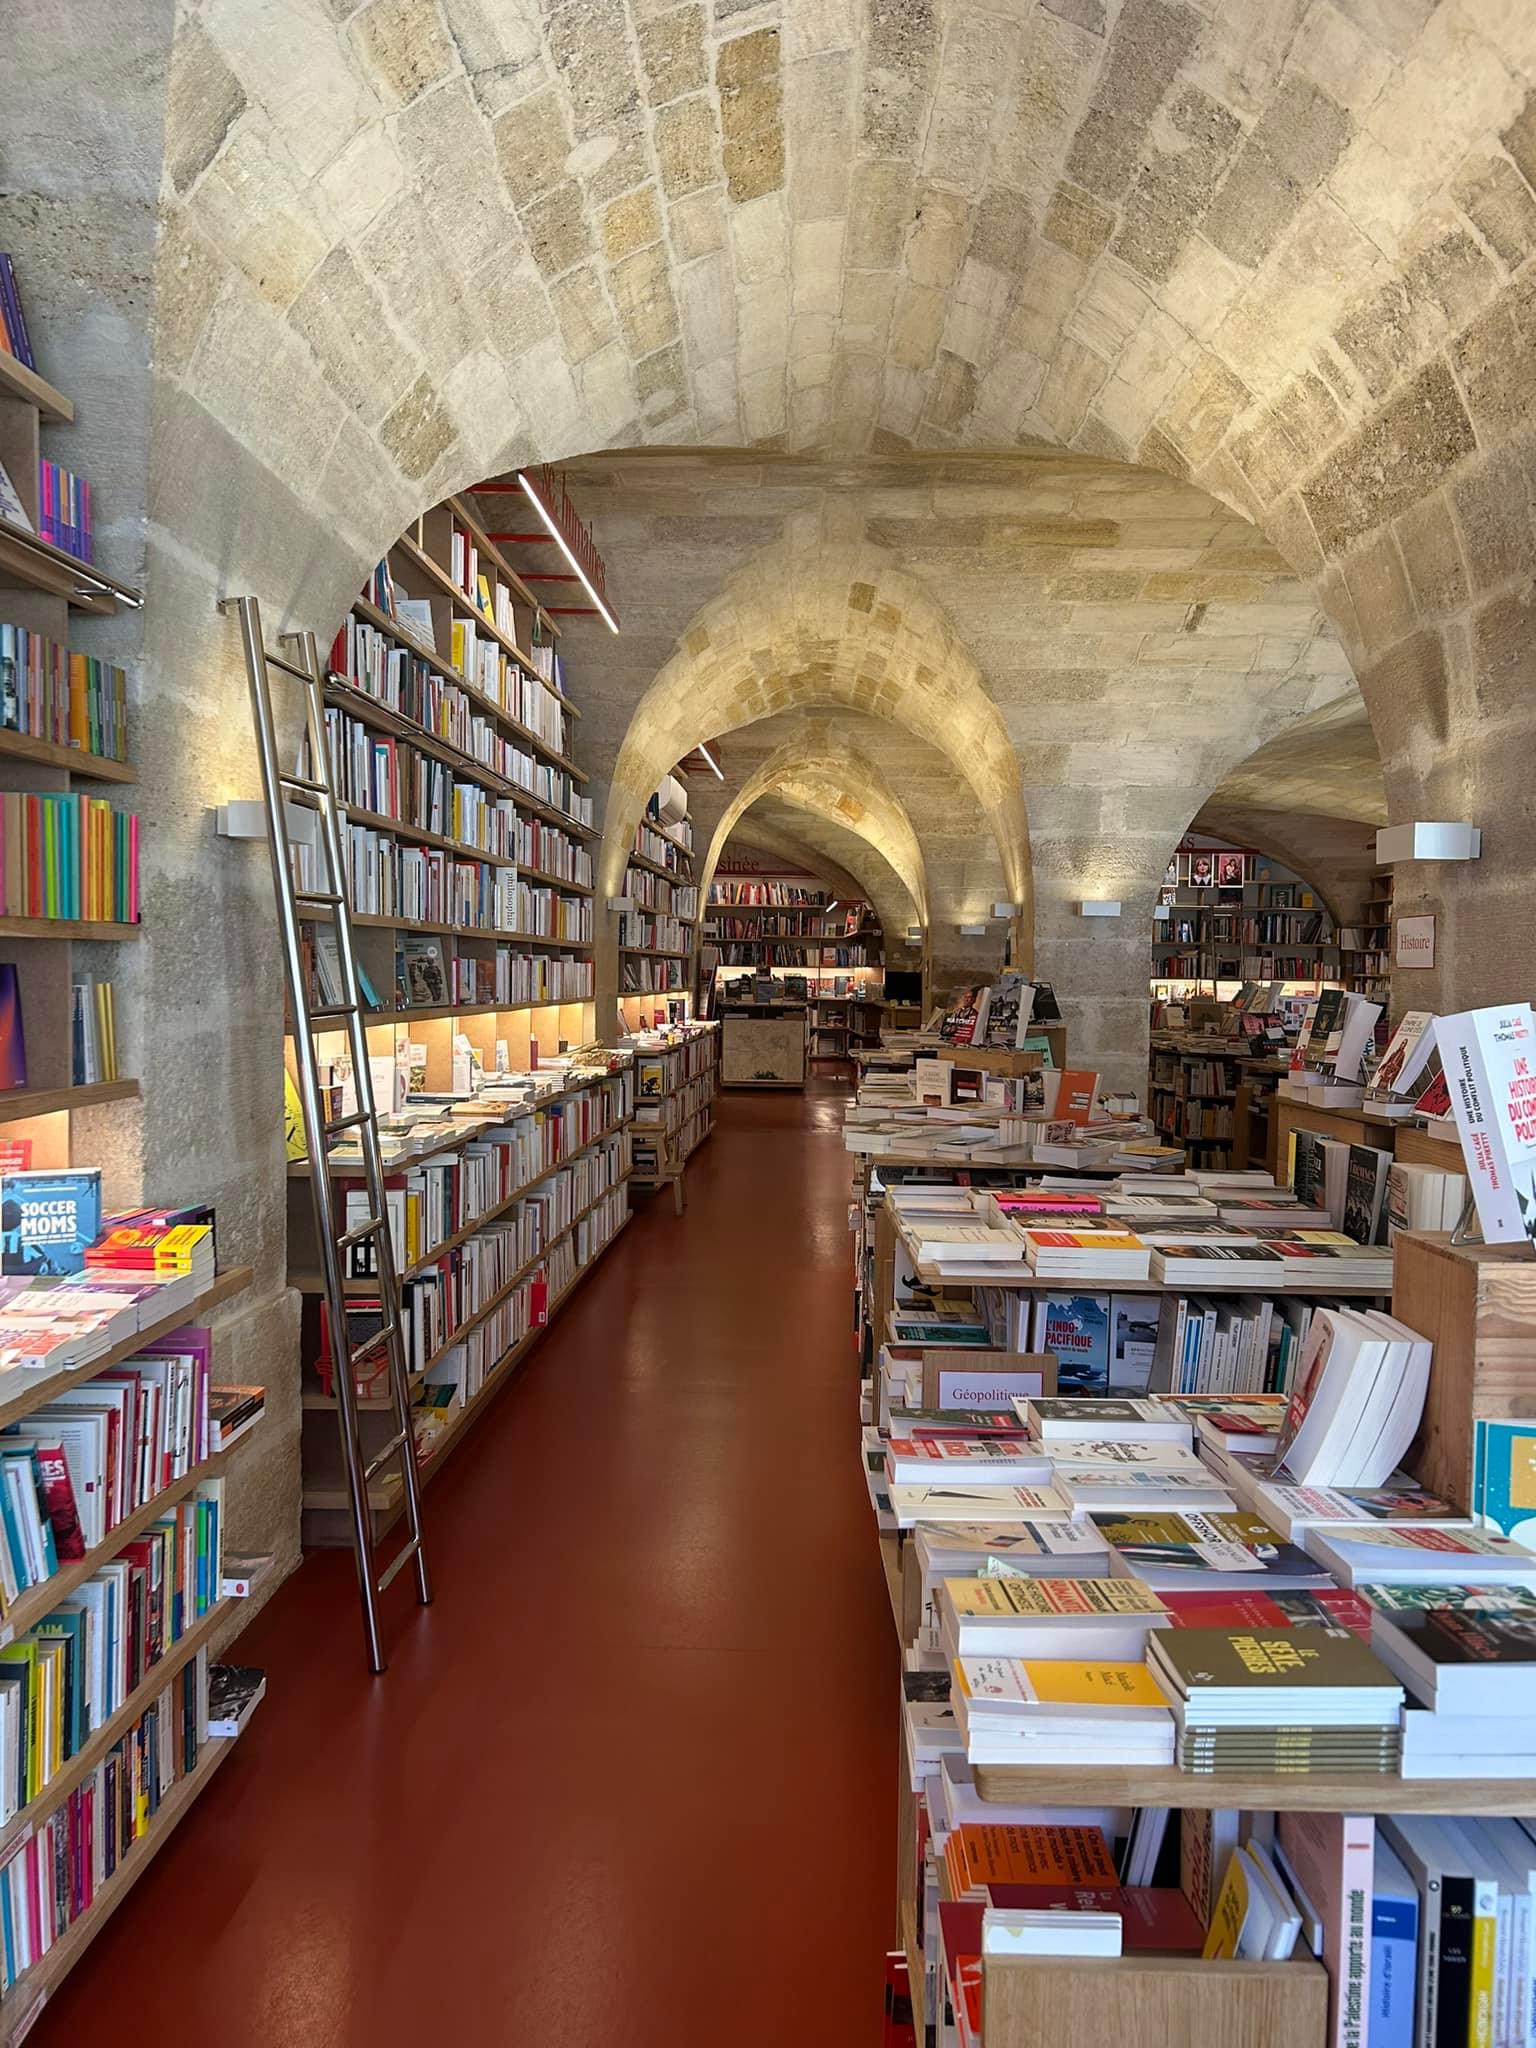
pixel 13 1051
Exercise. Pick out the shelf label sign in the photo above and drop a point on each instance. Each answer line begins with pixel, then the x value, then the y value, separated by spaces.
pixel 1415 942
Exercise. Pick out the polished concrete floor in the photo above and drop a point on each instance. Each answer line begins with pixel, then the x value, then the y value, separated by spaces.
pixel 630 1780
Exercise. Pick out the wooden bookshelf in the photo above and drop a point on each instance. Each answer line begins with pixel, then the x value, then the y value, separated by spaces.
pixel 325 1498
pixel 37 565
pixel 654 953
pixel 32 1989
pixel 17 381
pixel 78 1768
pixel 692 1066
pixel 1296 1791
pixel 65 928
pixel 76 761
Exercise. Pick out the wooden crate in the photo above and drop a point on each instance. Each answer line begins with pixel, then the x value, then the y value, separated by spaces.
pixel 1152 2002
pixel 1477 1305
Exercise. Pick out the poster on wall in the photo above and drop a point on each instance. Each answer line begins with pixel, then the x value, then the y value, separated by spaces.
pixel 1231 870
pixel 1414 942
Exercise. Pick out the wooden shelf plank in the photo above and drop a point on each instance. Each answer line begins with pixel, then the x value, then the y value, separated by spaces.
pixel 26 746
pixel 466 1133
pixel 80 1766
pixel 424 1015
pixel 17 381
pixel 459 931
pixel 1297 1792
pixel 653 953
pixel 41 566
pixel 65 928
pixel 656 867
pixel 25 1997
pixel 23 1102
pixel 41 1388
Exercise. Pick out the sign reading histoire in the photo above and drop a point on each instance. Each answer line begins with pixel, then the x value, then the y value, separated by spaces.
pixel 1414 942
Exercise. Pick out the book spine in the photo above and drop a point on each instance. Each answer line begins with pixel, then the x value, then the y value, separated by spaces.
pixel 1453 1976
pixel 1394 1947
pixel 1483 1965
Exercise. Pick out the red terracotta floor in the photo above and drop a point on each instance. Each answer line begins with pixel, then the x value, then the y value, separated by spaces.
pixel 629 1781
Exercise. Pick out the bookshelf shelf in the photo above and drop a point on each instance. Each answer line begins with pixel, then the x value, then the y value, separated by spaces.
pixel 78 1768
pixel 17 381
pixel 226 1285
pixel 466 1132
pixel 310 1283
pixel 64 928
pixel 25 1102
pixel 554 881
pixel 382 1500
pixel 429 1016
pixel 378 921
pixel 22 746
pixel 652 953
pixel 1297 1792
pixel 656 867
pixel 489 1308
pixel 33 1988
pixel 42 567
pixel 418 835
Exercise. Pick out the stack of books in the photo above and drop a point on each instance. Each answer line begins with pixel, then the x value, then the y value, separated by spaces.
pixel 177 1258
pixel 1053 1711
pixel 1086 1254
pixel 1296 1700
pixel 1467 1656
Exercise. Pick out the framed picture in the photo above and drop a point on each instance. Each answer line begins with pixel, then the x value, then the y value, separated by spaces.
pixel 1202 870
pixel 1231 870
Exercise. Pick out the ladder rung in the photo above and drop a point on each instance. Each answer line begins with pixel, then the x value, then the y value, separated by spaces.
pixel 383 1456
pixel 390 1570
pixel 374 1227
pixel 381 1336
pixel 302 782
pixel 328 1010
pixel 287 667
pixel 331 896
pixel 346 1123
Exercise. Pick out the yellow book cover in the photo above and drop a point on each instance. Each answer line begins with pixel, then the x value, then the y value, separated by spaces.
pixel 1485 1907
pixel 483 596
pixel 457 644
pixel 1045 1598
pixel 293 1121
pixel 1093 1685
pixel 1230 1912
pixel 1087 1240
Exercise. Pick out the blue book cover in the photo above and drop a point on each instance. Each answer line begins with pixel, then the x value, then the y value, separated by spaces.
pixel 1076 1328
pixel 48 1220
pixel 1394 1952
pixel 1504 1479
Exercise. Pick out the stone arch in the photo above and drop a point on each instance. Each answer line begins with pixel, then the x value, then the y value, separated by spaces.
pixel 818 619
pixel 835 782
pixel 849 864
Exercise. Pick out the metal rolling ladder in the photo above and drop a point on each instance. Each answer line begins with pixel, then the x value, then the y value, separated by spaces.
pixel 295 906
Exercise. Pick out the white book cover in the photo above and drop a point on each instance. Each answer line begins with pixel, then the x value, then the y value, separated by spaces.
pixel 1487 1056
pixel 1406 1055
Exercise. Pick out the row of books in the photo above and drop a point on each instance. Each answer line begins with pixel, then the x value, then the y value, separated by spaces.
pixel 538 845
pixel 68 856
pixel 395 780
pixel 65 1678
pixel 411 686
pixel 639 976
pixel 781 895
pixel 654 932
pixel 671 849
pixel 50 692
pixel 656 893
pixel 64 510
pixel 514 979
pixel 14 339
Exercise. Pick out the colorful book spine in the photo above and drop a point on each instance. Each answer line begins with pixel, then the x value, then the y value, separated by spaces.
pixel 64 510
pixel 13 321
pixel 68 856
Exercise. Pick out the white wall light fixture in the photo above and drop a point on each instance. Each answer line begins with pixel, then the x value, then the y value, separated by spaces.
pixel 1098 906
pixel 1428 841
pixel 972 931
pixel 1005 910
pixel 914 934
pixel 246 818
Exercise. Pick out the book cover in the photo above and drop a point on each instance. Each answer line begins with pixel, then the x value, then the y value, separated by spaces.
pixel 1152 1918
pixel 1394 1952
pixel 13 1051
pixel 1075 1328
pixel 48 1220
pixel 1009 1599
pixel 1487 1057
pixel 1332 1857
pixel 987 1853
pixel 1504 1479
pixel 1252 1662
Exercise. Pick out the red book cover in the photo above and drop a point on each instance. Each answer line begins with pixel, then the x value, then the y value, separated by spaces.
pixel 58 1501
pixel 898 2031
pixel 1075 1096
pixel 1151 1918
pixel 538 1302
pixel 1224 1610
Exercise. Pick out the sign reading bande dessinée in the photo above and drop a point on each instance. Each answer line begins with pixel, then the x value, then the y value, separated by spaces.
pixel 1415 942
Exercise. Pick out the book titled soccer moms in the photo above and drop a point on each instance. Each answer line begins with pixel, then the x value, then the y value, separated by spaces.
pixel 48 1220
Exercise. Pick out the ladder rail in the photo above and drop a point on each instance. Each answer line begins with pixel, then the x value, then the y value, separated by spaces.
pixel 323 1193
pixel 368 1130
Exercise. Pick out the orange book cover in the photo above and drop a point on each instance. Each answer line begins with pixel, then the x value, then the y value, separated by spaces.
pixel 985 1852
